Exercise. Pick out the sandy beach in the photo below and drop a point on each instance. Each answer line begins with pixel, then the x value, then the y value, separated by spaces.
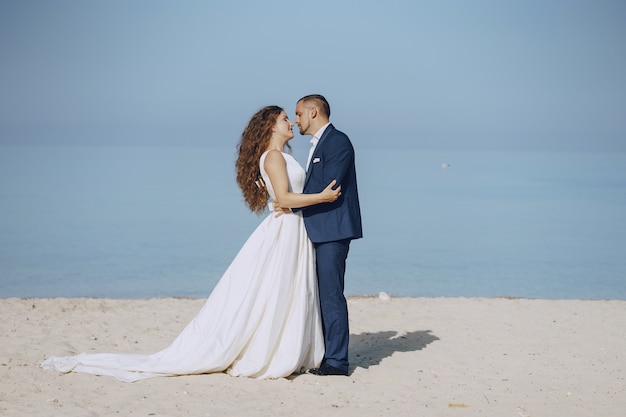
pixel 409 357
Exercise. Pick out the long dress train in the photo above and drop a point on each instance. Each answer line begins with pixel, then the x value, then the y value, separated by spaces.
pixel 261 320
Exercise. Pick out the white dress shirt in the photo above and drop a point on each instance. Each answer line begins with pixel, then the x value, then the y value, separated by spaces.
pixel 316 138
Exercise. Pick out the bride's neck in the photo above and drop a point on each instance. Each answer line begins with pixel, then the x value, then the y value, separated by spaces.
pixel 275 146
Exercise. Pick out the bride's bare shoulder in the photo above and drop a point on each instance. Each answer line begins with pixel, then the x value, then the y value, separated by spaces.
pixel 274 157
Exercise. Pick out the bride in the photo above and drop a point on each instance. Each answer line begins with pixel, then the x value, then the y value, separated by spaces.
pixel 262 318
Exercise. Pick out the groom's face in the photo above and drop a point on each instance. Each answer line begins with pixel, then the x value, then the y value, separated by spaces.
pixel 303 118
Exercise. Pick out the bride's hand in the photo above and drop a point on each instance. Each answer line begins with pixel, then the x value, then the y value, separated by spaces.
pixel 329 195
pixel 279 210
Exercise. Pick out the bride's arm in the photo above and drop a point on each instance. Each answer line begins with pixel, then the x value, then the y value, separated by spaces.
pixel 276 168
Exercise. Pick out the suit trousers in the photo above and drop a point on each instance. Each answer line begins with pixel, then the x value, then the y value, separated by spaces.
pixel 331 268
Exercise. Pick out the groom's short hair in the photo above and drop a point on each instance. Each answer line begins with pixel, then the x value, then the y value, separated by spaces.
pixel 319 101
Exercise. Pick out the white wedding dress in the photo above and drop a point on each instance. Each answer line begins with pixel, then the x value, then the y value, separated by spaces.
pixel 261 320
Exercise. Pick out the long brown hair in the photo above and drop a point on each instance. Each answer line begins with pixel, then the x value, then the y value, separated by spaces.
pixel 254 141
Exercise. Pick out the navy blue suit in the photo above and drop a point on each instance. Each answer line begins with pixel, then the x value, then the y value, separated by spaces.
pixel 331 227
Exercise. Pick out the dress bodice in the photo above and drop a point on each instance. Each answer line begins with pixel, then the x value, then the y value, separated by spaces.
pixel 295 173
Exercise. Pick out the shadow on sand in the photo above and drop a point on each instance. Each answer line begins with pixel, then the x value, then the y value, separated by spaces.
pixel 367 349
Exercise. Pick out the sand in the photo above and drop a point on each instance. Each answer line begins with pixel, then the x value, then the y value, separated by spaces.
pixel 409 357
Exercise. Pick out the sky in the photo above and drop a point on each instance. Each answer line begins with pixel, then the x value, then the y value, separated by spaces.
pixel 480 74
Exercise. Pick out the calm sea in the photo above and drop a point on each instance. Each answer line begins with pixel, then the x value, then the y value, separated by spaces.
pixel 141 222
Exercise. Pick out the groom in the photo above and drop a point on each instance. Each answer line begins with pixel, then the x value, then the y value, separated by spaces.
pixel 330 226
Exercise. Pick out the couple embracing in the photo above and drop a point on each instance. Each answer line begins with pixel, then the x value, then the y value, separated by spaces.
pixel 279 308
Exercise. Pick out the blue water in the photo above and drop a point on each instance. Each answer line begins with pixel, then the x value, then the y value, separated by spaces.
pixel 140 222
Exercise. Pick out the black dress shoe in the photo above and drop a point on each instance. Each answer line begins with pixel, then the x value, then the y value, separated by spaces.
pixel 326 369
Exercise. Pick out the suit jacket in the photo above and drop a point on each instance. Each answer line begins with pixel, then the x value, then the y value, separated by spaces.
pixel 333 158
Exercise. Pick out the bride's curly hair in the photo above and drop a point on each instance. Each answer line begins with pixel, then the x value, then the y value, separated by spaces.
pixel 254 141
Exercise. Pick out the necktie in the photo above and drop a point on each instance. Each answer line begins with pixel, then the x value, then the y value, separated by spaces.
pixel 314 141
